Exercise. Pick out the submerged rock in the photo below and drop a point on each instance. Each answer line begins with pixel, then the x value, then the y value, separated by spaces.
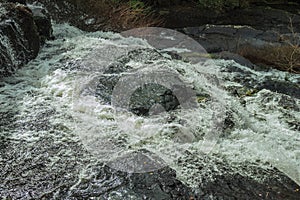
pixel 152 99
pixel 144 100
pixel 149 92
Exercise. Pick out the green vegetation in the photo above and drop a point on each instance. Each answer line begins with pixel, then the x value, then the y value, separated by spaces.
pixel 282 57
pixel 285 58
pixel 136 4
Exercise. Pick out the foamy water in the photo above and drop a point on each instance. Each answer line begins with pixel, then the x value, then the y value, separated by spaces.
pixel 62 77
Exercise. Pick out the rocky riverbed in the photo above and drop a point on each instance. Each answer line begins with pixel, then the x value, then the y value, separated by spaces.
pixel 65 133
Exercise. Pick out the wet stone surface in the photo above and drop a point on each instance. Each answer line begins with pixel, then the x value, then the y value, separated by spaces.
pixel 48 168
pixel 42 158
pixel 144 98
pixel 22 32
pixel 223 182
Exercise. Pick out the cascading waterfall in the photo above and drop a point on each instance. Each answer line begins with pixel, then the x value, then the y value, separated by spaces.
pixel 57 92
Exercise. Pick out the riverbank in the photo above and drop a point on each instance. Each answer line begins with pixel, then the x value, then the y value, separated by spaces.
pixel 62 136
pixel 268 32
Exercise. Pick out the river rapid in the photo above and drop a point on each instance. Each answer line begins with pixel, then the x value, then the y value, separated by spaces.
pixel 59 120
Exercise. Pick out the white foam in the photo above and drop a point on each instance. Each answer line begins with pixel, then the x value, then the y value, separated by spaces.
pixel 260 131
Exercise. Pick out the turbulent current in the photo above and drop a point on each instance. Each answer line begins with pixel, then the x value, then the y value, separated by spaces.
pixel 90 99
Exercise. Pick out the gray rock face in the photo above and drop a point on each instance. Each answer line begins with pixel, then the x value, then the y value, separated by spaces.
pixel 65 12
pixel 217 38
pixel 151 99
pixel 43 22
pixel 145 99
pixel 21 33
pixel 20 40
pixel 267 16
pixel 245 181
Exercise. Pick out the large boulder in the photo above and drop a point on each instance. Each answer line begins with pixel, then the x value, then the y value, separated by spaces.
pixel 68 11
pixel 217 38
pixel 21 33
pixel 147 94
pixel 42 20
pixel 19 37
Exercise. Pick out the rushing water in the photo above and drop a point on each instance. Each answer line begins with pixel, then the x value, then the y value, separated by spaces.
pixel 55 95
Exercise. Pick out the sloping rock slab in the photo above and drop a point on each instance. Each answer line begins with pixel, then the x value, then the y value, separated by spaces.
pixel 217 38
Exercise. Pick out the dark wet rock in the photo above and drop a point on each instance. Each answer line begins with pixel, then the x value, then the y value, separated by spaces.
pixel 266 16
pixel 106 182
pixel 146 96
pixel 217 178
pixel 144 100
pixel 226 55
pixel 236 186
pixel 62 11
pixel 152 99
pixel 52 168
pixel 22 31
pixel 133 92
pixel 116 68
pixel 288 88
pixel 57 167
pixel 146 56
pixel 180 14
pixel 140 161
pixel 251 80
pixel 269 18
pixel 287 102
pixel 218 38
pixel 105 83
pixel 6 123
pixel 43 22
pixel 174 55
pixel 105 87
pixel 20 40
pixel 28 170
